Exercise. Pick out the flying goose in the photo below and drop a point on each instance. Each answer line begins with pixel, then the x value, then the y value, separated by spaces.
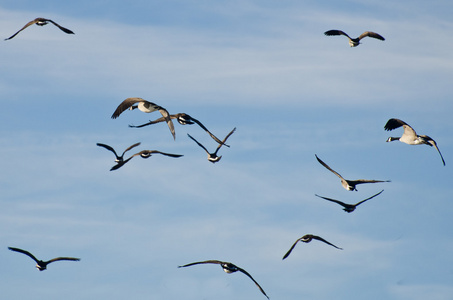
pixel 212 157
pixel 41 22
pixel 42 265
pixel 348 207
pixel 183 119
pixel 144 106
pixel 228 268
pixel 143 154
pixel 118 158
pixel 306 239
pixel 349 184
pixel 410 136
pixel 355 42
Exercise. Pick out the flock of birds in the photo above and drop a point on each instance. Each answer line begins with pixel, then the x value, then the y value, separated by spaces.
pixel 409 136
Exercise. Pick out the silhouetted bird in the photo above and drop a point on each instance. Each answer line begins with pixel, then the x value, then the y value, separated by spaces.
pixel 118 158
pixel 355 42
pixel 349 184
pixel 183 119
pixel 143 154
pixel 306 239
pixel 228 268
pixel 348 207
pixel 41 22
pixel 42 265
pixel 212 157
pixel 144 106
pixel 410 136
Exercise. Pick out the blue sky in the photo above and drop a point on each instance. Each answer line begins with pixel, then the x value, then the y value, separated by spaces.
pixel 266 68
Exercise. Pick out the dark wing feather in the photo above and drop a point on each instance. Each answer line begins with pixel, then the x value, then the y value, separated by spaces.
pixel 335 32
pixel 199 144
pixel 360 181
pixel 358 203
pixel 371 34
pixel 63 258
pixel 125 105
pixel 61 27
pixel 250 276
pixel 323 240
pixel 224 140
pixel 161 119
pixel 433 143
pixel 202 262
pixel 333 200
pixel 24 252
pixel 121 163
pixel 130 147
pixel 394 123
pixel 327 167
pixel 163 153
pixel 290 249
pixel 108 148
pixel 205 129
pixel 167 117
pixel 26 25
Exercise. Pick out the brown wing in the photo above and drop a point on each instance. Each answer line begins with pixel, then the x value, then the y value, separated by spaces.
pixel 167 117
pixel 433 143
pixel 323 240
pixel 224 140
pixel 130 147
pixel 394 123
pixel 63 258
pixel 61 27
pixel 199 144
pixel 360 181
pixel 371 34
pixel 27 25
pixel 205 129
pixel 125 105
pixel 156 151
pixel 24 252
pixel 358 203
pixel 250 276
pixel 290 249
pixel 336 32
pixel 328 168
pixel 218 262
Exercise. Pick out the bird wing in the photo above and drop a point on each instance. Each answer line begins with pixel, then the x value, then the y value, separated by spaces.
pixel 203 262
pixel 360 181
pixel 24 252
pixel 205 129
pixel 61 27
pixel 290 249
pixel 167 117
pixel 125 105
pixel 121 163
pixel 371 34
pixel 108 148
pixel 63 258
pixel 393 123
pixel 333 200
pixel 130 147
pixel 323 240
pixel 250 276
pixel 433 143
pixel 156 151
pixel 368 198
pixel 224 140
pixel 327 167
pixel 336 32
pixel 199 144
pixel 26 25
pixel 161 119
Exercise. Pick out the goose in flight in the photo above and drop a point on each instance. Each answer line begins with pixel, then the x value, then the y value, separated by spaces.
pixel 118 158
pixel 212 157
pixel 410 136
pixel 227 268
pixel 144 106
pixel 306 239
pixel 42 265
pixel 348 207
pixel 183 119
pixel 41 22
pixel 143 154
pixel 350 185
pixel 355 42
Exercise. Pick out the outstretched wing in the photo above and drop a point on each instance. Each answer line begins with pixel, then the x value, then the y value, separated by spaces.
pixel 360 181
pixel 290 249
pixel 63 258
pixel 199 144
pixel 218 262
pixel 108 148
pixel 250 276
pixel 333 200
pixel 327 167
pixel 61 27
pixel 167 117
pixel 26 25
pixel 125 105
pixel 130 147
pixel 149 152
pixel 323 240
pixel 24 252
pixel 210 134
pixel 336 32
pixel 371 34
pixel 433 143
pixel 358 203
pixel 224 140
pixel 396 123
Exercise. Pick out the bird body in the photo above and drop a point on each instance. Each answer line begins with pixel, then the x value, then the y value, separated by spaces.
pixel 227 268
pixel 212 157
pixel 41 22
pixel 143 154
pixel 349 207
pixel 144 106
pixel 42 265
pixel 354 42
pixel 306 239
pixel 349 185
pixel 409 136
